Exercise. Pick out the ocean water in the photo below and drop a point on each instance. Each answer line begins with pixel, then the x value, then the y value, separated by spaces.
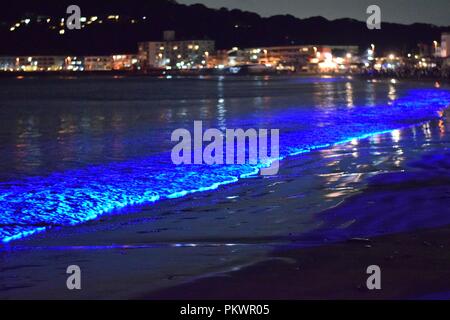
pixel 75 149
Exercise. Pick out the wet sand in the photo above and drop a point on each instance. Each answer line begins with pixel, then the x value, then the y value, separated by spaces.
pixel 413 265
pixel 234 243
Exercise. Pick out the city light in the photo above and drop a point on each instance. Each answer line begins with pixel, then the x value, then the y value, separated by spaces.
pixel 316 58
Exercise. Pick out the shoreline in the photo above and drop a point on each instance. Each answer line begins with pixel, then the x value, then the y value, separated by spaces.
pixel 118 74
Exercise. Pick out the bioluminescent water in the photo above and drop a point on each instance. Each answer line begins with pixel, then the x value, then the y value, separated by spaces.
pixel 73 150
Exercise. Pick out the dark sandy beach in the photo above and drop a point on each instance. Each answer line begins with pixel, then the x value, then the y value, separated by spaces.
pixel 414 265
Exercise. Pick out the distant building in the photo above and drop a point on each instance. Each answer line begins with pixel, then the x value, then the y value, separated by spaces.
pixel 125 62
pixel 445 45
pixel 32 63
pixel 7 63
pixel 69 63
pixel 170 53
pixel 74 63
pixel 228 58
pixel 296 58
pixel 219 58
pixel 98 63
pixel 40 63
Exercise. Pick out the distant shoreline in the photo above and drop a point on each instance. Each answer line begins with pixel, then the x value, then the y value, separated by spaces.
pixel 159 74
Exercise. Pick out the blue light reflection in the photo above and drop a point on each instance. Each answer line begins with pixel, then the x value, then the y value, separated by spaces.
pixel 71 197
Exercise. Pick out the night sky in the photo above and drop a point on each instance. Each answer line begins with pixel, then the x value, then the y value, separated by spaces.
pixel 401 11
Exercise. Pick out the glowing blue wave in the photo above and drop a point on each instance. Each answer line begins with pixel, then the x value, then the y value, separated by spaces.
pixel 71 197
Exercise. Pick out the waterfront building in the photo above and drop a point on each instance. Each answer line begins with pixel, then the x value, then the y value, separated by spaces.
pixel 32 63
pixel 72 63
pixel 125 62
pixel 98 63
pixel 218 58
pixel 7 63
pixel 39 63
pixel 445 45
pixel 304 58
pixel 175 54
pixel 69 63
